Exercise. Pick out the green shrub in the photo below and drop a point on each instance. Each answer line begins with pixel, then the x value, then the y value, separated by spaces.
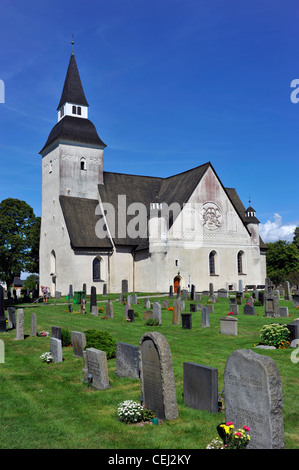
pixel 152 322
pixel 274 334
pixel 66 338
pixel 101 340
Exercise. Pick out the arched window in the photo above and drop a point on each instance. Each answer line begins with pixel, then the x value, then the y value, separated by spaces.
pixel 83 164
pixel 96 269
pixel 212 262
pixel 241 262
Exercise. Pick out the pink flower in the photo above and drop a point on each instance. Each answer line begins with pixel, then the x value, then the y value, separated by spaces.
pixel 246 428
pixel 229 423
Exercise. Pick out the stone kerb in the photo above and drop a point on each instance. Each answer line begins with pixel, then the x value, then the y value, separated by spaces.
pixel 156 376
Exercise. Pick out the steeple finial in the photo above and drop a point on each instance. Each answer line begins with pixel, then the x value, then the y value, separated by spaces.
pixel 72 44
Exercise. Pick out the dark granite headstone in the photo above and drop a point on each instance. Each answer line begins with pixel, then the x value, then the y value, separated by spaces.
pixel 156 376
pixel 201 387
pixel 131 315
pixel 127 360
pixel 186 320
pixel 56 332
pixel 93 297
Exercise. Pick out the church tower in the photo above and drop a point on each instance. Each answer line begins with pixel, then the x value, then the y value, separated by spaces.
pixel 72 167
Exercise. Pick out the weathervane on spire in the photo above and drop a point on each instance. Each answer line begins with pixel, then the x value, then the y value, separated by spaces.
pixel 72 44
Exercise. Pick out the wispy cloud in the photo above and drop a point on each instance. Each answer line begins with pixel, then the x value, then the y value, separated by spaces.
pixel 275 230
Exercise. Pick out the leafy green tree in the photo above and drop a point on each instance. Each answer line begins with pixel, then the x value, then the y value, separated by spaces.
pixel 30 282
pixel 296 237
pixel 282 258
pixel 19 239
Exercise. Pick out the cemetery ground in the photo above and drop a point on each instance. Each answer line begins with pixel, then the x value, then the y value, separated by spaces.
pixel 48 406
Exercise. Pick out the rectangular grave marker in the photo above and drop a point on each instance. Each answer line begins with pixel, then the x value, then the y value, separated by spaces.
pixel 127 360
pixel 201 387
pixel 97 367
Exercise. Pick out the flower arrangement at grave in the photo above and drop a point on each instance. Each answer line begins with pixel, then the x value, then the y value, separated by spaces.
pixel 230 438
pixel 230 313
pixel 170 309
pixel 46 357
pixel 43 333
pixel 130 411
pixel 100 310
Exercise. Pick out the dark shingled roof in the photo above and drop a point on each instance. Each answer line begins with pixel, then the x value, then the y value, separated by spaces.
pixel 72 90
pixel 74 129
pixel 80 218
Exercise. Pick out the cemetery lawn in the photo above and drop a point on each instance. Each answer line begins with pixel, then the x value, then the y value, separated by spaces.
pixel 48 406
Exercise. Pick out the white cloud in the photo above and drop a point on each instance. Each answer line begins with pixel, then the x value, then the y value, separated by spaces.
pixel 276 230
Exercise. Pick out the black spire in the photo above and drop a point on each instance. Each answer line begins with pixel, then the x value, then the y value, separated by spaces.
pixel 72 90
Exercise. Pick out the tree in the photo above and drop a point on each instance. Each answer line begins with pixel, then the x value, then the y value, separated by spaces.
pixel 282 258
pixel 19 239
pixel 296 237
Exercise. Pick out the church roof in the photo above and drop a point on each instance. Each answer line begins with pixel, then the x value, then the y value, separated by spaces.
pixel 72 90
pixel 80 218
pixel 74 129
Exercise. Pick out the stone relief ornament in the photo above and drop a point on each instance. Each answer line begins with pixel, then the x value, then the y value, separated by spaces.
pixel 211 216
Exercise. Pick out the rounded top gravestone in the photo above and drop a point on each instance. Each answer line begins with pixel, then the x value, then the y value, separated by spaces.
pixel 253 397
pixel 156 376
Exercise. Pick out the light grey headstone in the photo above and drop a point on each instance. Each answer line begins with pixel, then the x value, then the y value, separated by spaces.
pixel 56 349
pixel 95 310
pixel 205 319
pixel 127 307
pixel 287 291
pixel 20 324
pixel 229 326
pixel 254 397
pixel 98 368
pixel 176 314
pixel 157 312
pixel 184 294
pixel 85 369
pixel 283 311
pixel 234 308
pixel 78 342
pixel 134 299
pixel 56 332
pixel 156 376
pixel 33 324
pixel 109 309
pixel 127 360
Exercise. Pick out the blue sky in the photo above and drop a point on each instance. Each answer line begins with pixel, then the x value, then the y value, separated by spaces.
pixel 171 84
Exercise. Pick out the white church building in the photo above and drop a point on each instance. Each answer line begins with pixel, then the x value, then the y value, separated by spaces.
pixel 150 233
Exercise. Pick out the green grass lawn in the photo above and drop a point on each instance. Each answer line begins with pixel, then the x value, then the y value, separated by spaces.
pixel 47 406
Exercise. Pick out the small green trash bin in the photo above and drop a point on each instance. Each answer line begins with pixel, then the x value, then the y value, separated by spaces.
pixel 78 295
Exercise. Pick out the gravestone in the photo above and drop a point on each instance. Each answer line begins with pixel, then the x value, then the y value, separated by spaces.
pixel 148 304
pixel 33 325
pixel 56 349
pixel 234 308
pixel 229 326
pixel 170 295
pixel 165 304
pixel 176 315
pixel 127 360
pixel 184 294
pixel 71 294
pixel 134 299
pixel 248 309
pixel 131 315
pixel 283 311
pixel 20 324
pixel 127 307
pixel 205 319
pixel 239 297
pixel 295 300
pixel 186 321
pixel 147 314
pixel 210 308
pixel 178 292
pixel 121 298
pixel 200 387
pixel 95 311
pixel 98 368
pixel 261 297
pixel 197 297
pixel 271 306
pixel 211 289
pixel 129 299
pixel 82 306
pixel 11 317
pixel 104 290
pixel 192 294
pixel 223 293
pixel 109 309
pixel 85 369
pixel 2 311
pixel 249 300
pixel 78 342
pixel 124 286
pixel 192 308
pixel 293 328
pixel 254 397
pixel 156 376
pixel 56 332
pixel 93 297
pixel 287 291
pixel 157 312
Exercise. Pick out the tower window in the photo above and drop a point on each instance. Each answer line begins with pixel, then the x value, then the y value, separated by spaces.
pixel 79 110
pixel 61 112
pixel 50 166
pixel 74 110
